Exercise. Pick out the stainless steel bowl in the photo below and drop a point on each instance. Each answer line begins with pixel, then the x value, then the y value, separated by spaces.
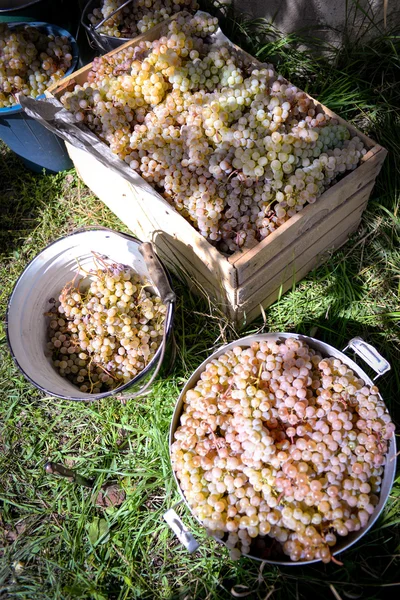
pixel 370 355
pixel 55 266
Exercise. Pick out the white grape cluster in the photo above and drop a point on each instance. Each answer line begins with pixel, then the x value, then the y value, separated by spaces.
pixel 30 61
pixel 104 336
pixel 235 148
pixel 137 17
pixel 276 441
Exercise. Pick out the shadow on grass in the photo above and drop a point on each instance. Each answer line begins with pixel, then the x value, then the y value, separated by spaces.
pixel 23 195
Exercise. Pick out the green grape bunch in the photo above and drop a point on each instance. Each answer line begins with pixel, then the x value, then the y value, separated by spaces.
pixel 30 61
pixel 102 337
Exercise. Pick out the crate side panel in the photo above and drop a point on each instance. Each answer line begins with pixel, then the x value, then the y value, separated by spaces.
pixel 189 242
pixel 304 243
pixel 183 259
pixel 250 262
pixel 245 315
pixel 298 269
pixel 197 282
pixel 330 199
pixel 289 268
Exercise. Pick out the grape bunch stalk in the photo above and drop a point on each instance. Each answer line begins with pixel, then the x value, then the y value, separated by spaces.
pixel 234 147
pixel 30 61
pixel 103 336
pixel 276 441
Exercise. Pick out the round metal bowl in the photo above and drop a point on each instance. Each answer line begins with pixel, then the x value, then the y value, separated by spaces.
pixel 44 278
pixel 325 350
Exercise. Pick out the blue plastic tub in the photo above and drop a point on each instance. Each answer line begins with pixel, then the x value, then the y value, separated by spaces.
pixel 37 147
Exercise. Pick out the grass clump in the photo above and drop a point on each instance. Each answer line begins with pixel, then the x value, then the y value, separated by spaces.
pixel 55 541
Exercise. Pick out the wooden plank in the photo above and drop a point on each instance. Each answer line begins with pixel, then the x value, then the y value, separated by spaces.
pixel 187 240
pixel 215 295
pixel 247 314
pixel 189 265
pixel 251 261
pixel 296 269
pixel 304 242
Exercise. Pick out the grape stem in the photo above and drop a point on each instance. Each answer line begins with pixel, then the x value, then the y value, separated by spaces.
pixel 217 447
pixel 336 561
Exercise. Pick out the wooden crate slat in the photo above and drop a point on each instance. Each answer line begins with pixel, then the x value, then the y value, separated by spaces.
pixel 246 315
pixel 191 270
pixel 188 241
pixel 303 243
pixel 187 265
pixel 294 270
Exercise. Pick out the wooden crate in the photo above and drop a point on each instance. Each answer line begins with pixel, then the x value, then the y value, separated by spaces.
pixel 251 278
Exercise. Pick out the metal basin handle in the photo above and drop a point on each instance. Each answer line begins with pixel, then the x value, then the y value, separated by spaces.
pixel 180 530
pixel 370 355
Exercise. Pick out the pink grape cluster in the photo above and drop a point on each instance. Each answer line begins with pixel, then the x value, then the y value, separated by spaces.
pixel 103 336
pixel 276 441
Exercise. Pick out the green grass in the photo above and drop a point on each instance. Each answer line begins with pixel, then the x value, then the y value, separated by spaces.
pixel 54 542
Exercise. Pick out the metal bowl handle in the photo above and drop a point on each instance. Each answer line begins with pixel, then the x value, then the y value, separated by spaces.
pixel 180 530
pixel 370 355
pixel 157 272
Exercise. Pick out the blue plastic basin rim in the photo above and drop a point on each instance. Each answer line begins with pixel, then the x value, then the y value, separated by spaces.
pixel 51 30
